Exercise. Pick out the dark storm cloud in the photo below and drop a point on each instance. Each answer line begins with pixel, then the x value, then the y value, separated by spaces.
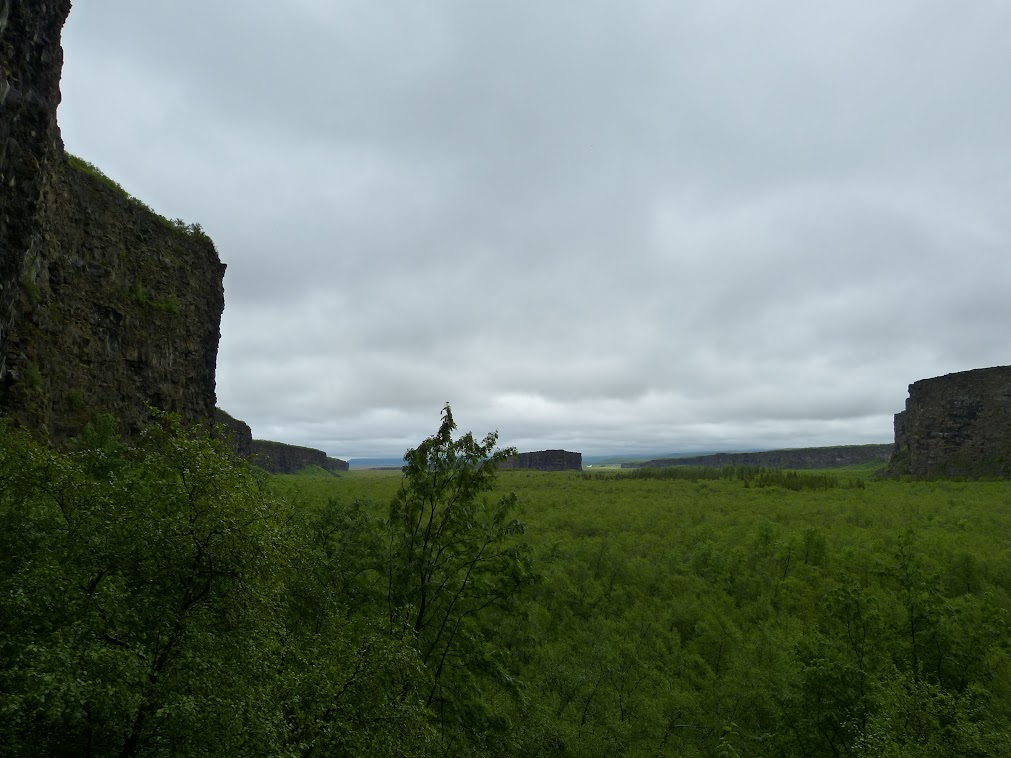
pixel 593 225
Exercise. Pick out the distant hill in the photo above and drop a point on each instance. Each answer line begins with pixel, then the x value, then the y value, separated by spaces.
pixel 799 458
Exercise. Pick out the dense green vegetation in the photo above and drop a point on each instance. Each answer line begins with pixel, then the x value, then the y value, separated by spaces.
pixel 170 600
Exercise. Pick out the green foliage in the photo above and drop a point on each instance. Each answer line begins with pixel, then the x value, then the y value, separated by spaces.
pixel 79 164
pixel 168 304
pixel 31 288
pixel 453 556
pixel 139 294
pixel 191 230
pixel 168 599
pixel 116 626
pixel 752 476
pixel 33 375
pixel 699 618
pixel 148 606
pixel 76 401
pixel 312 471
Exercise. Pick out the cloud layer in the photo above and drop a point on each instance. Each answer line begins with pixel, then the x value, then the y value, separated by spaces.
pixel 636 226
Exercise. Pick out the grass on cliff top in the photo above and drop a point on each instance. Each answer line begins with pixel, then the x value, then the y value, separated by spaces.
pixel 177 225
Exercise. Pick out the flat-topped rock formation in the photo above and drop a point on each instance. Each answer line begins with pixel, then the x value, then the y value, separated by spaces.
pixel 546 460
pixel 956 425
pixel 281 458
pixel 800 458
pixel 275 457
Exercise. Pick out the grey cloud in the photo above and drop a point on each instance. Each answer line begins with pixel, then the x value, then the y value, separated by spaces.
pixel 596 225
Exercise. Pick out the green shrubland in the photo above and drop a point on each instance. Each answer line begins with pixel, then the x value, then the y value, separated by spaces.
pixel 696 616
pixel 169 600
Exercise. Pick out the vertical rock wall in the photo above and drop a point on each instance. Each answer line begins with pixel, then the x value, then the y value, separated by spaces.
pixel 956 425
pixel 105 307
pixel 31 60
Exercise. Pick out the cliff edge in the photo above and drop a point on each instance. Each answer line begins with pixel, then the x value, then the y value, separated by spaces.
pixel 105 307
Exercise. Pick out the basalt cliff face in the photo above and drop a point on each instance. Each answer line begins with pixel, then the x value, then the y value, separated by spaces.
pixel 956 425
pixel 281 458
pixel 275 457
pixel 105 307
pixel 546 460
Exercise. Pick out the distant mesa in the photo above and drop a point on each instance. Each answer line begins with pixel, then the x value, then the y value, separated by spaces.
pixel 281 458
pixel 545 460
pixel 274 457
pixel 800 458
pixel 956 425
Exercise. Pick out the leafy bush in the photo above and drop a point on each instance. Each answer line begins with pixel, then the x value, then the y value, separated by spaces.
pixel 147 608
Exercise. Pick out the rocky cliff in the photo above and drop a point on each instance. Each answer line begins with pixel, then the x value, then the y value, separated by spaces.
pixel 956 425
pixel 105 307
pixel 800 458
pixel 275 457
pixel 281 458
pixel 546 460
pixel 31 60
pixel 237 432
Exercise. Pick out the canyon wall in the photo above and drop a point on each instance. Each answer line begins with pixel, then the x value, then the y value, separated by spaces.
pixel 281 458
pixel 275 457
pixel 956 425
pixel 31 60
pixel 105 307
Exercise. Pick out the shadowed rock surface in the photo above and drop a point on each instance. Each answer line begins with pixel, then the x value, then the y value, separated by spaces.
pixel 105 307
pixel 239 435
pixel 546 460
pixel 956 425
pixel 275 457
pixel 800 458
pixel 281 458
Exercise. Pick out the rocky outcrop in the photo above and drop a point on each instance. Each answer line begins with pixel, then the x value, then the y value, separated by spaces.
pixel 546 460
pixel 280 458
pixel 956 425
pixel 800 458
pixel 105 307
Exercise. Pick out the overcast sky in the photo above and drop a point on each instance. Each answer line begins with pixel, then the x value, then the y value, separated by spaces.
pixel 635 226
